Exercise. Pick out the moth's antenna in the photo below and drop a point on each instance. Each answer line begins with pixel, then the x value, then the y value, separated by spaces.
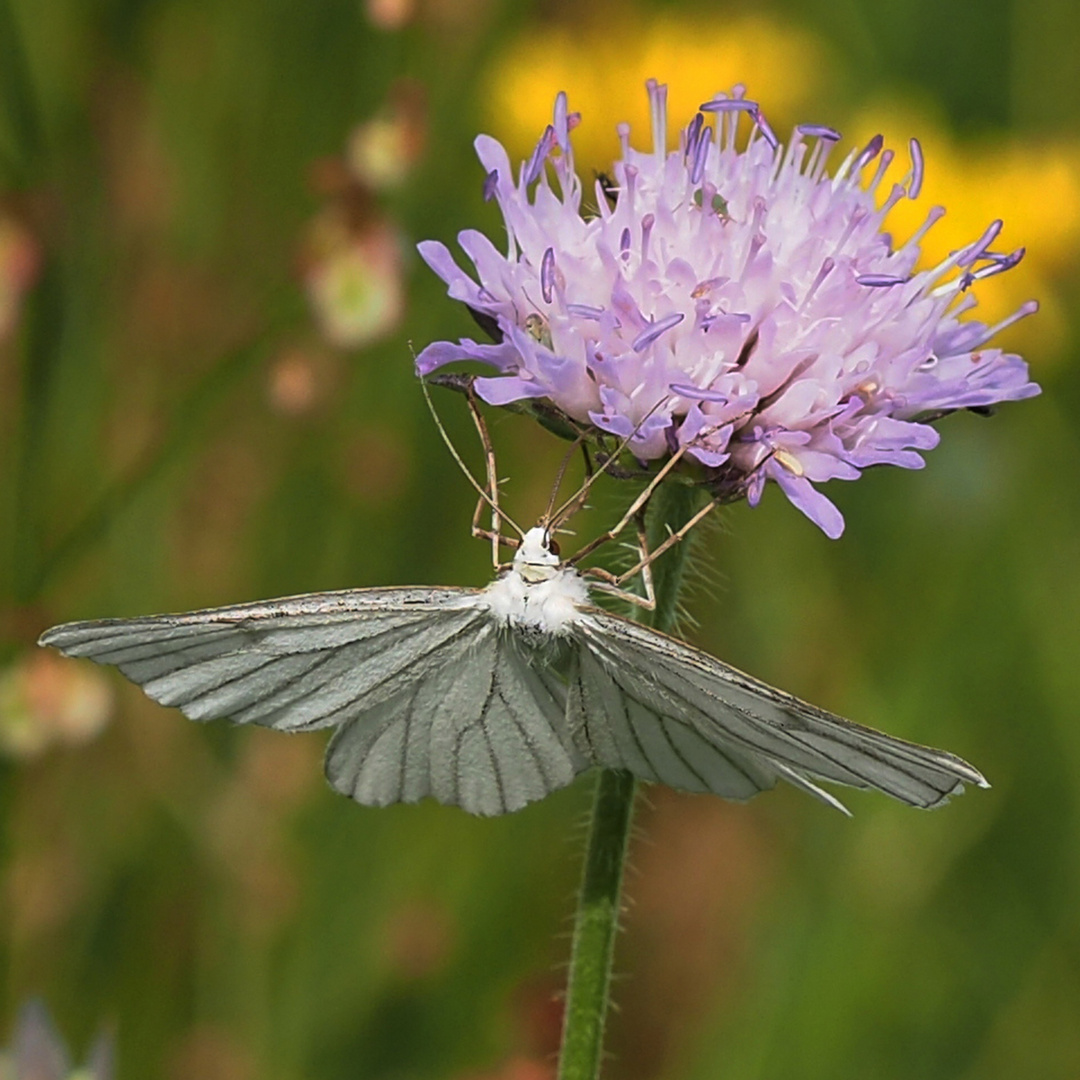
pixel 491 502
pixel 577 500
pixel 560 476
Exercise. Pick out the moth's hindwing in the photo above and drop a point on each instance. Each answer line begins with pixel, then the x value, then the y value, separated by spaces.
pixel 643 700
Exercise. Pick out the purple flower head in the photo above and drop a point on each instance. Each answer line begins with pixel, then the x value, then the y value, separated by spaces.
pixel 731 297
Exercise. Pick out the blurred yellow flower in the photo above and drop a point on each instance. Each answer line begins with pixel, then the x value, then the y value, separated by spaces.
pixel 602 70
pixel 1033 187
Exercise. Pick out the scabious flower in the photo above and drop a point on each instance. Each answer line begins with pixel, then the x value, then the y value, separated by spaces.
pixel 731 300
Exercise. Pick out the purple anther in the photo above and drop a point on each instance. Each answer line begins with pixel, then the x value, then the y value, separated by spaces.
pixel 658 111
pixel 648 336
pixel 647 223
pixel 869 152
pixel 880 281
pixel 729 105
pixel 547 274
pixel 975 252
pixel 624 241
pixel 696 393
pixel 766 129
pixel 916 169
pixel 671 439
pixel 999 263
pixel 559 122
pixel 701 155
pixel 491 185
pixel 573 120
pixel 819 131
pixel 539 155
pixel 1005 262
pixel 584 311
pixel 693 133
pixel 827 267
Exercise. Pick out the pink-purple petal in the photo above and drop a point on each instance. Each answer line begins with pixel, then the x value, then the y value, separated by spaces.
pixel 805 497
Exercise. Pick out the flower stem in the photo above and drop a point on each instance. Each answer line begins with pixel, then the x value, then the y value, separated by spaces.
pixel 597 920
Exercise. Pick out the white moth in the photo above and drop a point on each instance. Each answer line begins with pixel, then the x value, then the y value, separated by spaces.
pixel 489 699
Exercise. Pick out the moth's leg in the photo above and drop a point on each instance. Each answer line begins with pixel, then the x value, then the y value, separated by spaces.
pixel 577 500
pixel 646 561
pixel 608 582
pixel 611 583
pixel 490 495
pixel 649 557
pixel 490 499
pixel 635 507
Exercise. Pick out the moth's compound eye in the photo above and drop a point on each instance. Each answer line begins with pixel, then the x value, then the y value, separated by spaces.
pixel 553 546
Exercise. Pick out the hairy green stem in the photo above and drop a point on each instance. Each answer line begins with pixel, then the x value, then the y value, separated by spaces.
pixel 597 920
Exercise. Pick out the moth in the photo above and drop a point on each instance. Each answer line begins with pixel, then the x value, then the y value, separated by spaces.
pixel 489 699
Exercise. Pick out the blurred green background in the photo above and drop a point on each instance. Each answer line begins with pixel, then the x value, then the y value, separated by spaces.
pixel 180 425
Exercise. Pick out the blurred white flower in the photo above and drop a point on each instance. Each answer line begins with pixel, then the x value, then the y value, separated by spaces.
pixel 45 701
pixel 383 150
pixel 354 279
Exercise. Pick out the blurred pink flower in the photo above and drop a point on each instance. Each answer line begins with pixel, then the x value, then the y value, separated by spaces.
pixel 20 261
pixel 45 701
pixel 354 279
pixel 382 151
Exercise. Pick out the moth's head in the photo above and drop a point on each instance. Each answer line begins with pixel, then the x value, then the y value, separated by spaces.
pixel 537 557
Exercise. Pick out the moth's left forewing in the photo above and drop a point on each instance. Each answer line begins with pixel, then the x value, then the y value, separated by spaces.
pixel 742 716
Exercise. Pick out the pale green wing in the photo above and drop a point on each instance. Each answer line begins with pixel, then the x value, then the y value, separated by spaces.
pixel 295 664
pixel 644 701
pixel 489 738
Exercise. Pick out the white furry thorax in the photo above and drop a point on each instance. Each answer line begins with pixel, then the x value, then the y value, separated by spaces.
pixel 537 593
